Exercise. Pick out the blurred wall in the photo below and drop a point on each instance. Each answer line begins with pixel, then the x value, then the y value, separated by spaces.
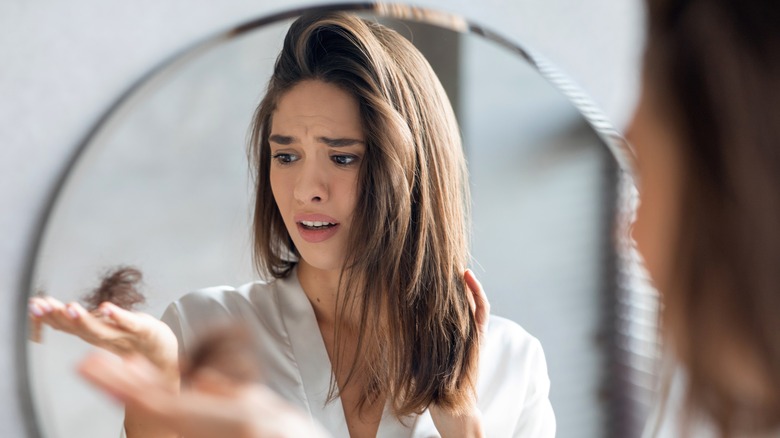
pixel 64 63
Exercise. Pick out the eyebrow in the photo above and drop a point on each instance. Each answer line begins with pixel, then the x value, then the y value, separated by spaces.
pixel 332 142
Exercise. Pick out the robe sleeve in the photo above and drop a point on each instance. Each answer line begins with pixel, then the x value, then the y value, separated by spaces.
pixel 537 418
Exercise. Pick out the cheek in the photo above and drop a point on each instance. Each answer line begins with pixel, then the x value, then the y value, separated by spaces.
pixel 659 167
pixel 645 231
pixel 350 198
pixel 655 228
pixel 278 189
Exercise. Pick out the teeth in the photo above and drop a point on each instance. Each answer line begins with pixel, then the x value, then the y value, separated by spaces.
pixel 316 223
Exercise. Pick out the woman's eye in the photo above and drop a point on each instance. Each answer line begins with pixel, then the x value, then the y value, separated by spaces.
pixel 283 158
pixel 344 160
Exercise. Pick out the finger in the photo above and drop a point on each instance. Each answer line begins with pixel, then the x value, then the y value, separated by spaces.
pixel 35 313
pixel 73 319
pixel 143 386
pixel 124 319
pixel 82 321
pixel 480 297
pixel 482 306
pixel 133 381
pixel 472 282
pixel 470 295
pixel 53 303
pixel 41 303
pixel 36 331
pixel 57 316
pixel 105 372
pixel 38 311
pixel 97 331
pixel 472 303
pixel 476 290
pixel 47 310
pixel 34 308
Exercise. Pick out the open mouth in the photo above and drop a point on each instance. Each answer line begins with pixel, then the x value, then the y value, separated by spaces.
pixel 316 225
pixel 317 231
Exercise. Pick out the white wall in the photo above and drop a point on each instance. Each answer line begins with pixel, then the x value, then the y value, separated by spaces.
pixel 62 64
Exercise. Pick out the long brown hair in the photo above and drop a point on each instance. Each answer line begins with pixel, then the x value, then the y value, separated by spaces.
pixel 417 338
pixel 715 65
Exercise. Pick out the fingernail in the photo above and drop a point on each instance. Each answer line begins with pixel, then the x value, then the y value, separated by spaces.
pixel 106 311
pixel 72 313
pixel 46 307
pixel 35 310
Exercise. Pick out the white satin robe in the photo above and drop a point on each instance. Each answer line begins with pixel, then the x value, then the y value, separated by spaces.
pixel 512 387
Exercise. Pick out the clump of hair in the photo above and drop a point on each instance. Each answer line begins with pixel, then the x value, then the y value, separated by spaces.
pixel 227 350
pixel 119 286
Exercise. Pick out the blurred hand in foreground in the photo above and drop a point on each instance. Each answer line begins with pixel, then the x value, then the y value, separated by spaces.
pixel 212 405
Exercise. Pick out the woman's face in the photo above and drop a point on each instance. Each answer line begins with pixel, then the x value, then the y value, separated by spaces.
pixel 317 144
pixel 660 181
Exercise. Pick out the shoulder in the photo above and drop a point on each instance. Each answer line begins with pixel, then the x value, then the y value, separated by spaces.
pixel 513 386
pixel 223 298
pixel 511 338
pixel 203 309
pixel 513 357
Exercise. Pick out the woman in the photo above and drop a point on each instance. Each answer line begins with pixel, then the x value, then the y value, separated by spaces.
pixel 706 135
pixel 371 323
pixel 707 139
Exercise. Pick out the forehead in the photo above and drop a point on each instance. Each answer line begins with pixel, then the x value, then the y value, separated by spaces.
pixel 317 105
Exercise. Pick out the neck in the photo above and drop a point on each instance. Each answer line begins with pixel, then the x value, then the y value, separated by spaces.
pixel 321 287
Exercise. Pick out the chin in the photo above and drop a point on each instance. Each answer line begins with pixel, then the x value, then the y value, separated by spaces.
pixel 320 261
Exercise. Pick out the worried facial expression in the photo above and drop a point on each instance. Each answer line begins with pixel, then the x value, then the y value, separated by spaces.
pixel 317 144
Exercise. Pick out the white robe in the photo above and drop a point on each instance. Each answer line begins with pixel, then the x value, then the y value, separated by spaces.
pixel 512 386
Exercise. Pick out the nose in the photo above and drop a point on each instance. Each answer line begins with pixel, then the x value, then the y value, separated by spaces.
pixel 311 186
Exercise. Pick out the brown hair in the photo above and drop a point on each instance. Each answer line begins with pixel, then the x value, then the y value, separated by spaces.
pixel 417 338
pixel 715 65
pixel 118 285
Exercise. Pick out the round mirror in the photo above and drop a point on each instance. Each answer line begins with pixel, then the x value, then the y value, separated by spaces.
pixel 163 184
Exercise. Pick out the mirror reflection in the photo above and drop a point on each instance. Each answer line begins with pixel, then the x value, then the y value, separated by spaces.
pixel 165 185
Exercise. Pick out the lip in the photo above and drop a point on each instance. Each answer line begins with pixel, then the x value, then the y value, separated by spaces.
pixel 314 217
pixel 316 236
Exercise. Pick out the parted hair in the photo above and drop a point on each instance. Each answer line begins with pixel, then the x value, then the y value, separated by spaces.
pixel 403 273
pixel 715 65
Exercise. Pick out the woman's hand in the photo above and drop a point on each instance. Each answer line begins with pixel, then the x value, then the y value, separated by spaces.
pixel 122 332
pixel 212 406
pixel 469 424
pixel 110 327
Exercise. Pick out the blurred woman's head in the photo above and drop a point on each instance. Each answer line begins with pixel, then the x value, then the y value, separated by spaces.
pixel 707 134
pixel 399 237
